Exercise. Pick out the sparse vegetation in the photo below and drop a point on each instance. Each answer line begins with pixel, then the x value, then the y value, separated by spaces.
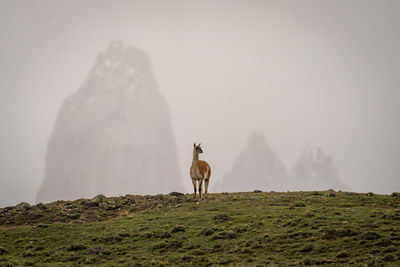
pixel 250 229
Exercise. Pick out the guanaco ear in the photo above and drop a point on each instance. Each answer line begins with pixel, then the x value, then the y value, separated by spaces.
pixel 194 145
pixel 199 144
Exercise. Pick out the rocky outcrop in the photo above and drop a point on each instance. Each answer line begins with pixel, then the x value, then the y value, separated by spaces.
pixel 113 136
pixel 256 167
pixel 315 170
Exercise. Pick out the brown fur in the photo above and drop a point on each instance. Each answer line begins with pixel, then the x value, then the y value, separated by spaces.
pixel 202 166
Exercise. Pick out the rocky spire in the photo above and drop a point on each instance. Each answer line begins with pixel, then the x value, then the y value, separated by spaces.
pixel 256 167
pixel 114 135
pixel 315 170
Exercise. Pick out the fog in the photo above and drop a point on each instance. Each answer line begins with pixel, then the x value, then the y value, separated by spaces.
pixel 307 73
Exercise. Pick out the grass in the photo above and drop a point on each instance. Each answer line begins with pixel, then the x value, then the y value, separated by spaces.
pixel 234 229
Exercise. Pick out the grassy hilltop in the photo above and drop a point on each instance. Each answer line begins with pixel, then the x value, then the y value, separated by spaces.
pixel 236 229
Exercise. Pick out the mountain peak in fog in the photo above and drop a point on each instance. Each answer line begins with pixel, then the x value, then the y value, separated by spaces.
pixel 315 170
pixel 256 167
pixel 259 167
pixel 113 136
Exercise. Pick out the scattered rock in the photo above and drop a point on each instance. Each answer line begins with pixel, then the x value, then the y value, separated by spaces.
pixel 23 206
pixel 124 234
pixel 225 235
pixel 42 225
pixel 389 257
pixel 330 233
pixel 241 229
pixel 89 204
pixel 128 202
pixel 179 205
pixel 176 194
pixel 330 194
pixel 369 194
pixel 222 217
pixel 207 231
pixel 163 235
pixel 8 208
pixel 316 193
pixel 99 198
pixel 307 248
pixel 73 216
pixel 27 254
pixel 97 250
pixel 257 191
pixel 109 205
pixel 178 228
pixel 75 247
pixel 147 235
pixel 68 206
pixel 2 251
pixel 395 194
pixel 175 244
pixel 41 206
pixel 370 235
pixel 342 254
pixel 299 204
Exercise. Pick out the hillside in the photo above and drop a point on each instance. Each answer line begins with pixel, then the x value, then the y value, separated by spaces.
pixel 293 228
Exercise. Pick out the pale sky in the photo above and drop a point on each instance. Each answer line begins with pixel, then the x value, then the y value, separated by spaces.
pixel 324 73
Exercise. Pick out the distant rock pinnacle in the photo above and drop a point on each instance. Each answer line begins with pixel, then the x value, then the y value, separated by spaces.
pixel 256 167
pixel 113 136
pixel 259 167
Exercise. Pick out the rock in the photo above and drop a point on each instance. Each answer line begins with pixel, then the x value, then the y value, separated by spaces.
pixel 68 206
pixel 225 235
pixel 257 191
pixel 330 194
pixel 76 247
pixel 178 228
pixel 369 194
pixel 109 205
pixel 99 198
pixel 114 135
pixel 222 217
pixel 159 197
pixel 370 235
pixel 2 251
pixel 179 205
pixel 42 225
pixel 395 194
pixel 128 202
pixel 41 206
pixel 89 204
pixel 316 170
pixel 124 234
pixel 8 208
pixel 258 164
pixel 163 235
pixel 23 206
pixel 147 235
pixel 207 231
pixel 176 194
pixel 97 250
pixel 73 216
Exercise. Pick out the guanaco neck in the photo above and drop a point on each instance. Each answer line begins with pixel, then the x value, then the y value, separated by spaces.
pixel 195 158
pixel 195 162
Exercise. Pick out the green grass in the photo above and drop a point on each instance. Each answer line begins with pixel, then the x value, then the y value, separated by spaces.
pixel 236 229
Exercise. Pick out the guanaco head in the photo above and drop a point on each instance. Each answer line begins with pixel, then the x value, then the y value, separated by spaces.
pixel 197 148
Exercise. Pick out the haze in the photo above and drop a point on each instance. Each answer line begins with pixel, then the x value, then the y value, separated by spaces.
pixel 324 73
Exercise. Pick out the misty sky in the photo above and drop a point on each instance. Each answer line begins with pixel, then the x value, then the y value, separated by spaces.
pixel 324 73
